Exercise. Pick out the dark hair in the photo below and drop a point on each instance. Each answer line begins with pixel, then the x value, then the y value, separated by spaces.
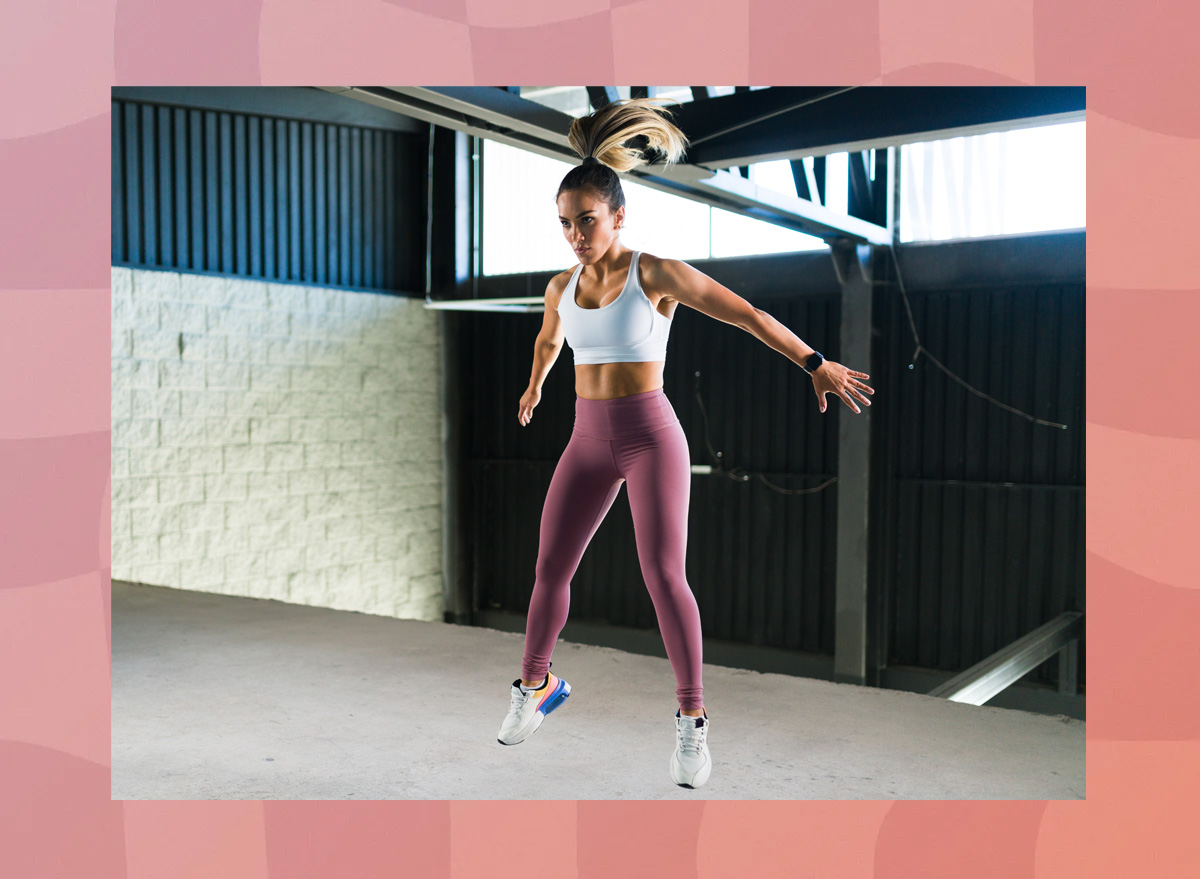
pixel 599 140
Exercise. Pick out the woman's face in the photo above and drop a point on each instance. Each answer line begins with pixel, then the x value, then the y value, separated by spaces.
pixel 588 224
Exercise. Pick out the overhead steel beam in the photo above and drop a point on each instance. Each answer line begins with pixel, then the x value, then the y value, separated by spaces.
pixel 796 213
pixel 501 116
pixel 787 123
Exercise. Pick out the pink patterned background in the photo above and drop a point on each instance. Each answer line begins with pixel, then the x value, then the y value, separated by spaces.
pixel 1143 436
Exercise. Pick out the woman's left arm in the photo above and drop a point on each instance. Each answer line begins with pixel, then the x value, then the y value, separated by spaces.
pixel 697 290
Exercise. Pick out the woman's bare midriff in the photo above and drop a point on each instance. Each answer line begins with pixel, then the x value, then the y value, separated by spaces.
pixel 607 381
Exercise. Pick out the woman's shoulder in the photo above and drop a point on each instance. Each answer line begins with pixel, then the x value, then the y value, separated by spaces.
pixel 558 284
pixel 653 269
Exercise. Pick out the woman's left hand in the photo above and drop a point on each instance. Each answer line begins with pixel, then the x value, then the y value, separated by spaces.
pixel 833 378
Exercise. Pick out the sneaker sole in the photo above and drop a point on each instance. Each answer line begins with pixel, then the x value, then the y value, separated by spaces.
pixel 539 716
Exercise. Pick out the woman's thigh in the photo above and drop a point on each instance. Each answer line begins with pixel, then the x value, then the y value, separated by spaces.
pixel 584 486
pixel 658 477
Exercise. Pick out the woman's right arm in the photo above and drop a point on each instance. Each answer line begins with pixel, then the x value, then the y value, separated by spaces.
pixel 546 348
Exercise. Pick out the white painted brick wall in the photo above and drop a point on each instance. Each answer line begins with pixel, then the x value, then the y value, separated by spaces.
pixel 276 441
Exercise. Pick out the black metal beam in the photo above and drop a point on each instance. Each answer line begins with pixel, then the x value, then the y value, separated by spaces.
pixel 801 179
pixel 602 95
pixel 860 202
pixel 777 122
pixel 702 92
pixel 495 113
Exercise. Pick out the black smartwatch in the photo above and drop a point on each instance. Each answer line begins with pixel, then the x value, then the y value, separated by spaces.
pixel 813 362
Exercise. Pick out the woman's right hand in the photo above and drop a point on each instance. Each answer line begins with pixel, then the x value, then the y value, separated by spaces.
pixel 529 399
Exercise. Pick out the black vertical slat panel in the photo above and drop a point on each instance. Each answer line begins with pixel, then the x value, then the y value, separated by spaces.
pixel 356 236
pixel 928 564
pixel 283 204
pixel 391 232
pixel 1022 380
pixel 772 554
pixel 1069 461
pixel 218 191
pixel 240 197
pixel 308 193
pixel 333 201
pixel 165 218
pixel 295 206
pixel 183 238
pixel 254 148
pixel 382 197
pixel 212 195
pixel 368 189
pixel 1020 396
pixel 972 576
pixel 133 187
pixel 344 276
pixel 196 194
pixel 993 583
pixel 905 640
pixel 1047 330
pixel 269 236
pixel 1017 582
pixel 974 411
pixel 950 576
pixel 933 413
pixel 321 215
pixel 955 342
pixel 117 238
pixel 225 128
pixel 1039 605
pixel 149 188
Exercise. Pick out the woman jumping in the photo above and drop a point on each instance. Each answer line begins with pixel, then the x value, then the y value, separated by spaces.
pixel 615 310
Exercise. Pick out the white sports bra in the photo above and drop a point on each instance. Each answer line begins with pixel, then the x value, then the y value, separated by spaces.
pixel 627 330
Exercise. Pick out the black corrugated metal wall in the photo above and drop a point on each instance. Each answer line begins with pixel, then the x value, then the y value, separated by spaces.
pixel 324 204
pixel 980 516
pixel 977 515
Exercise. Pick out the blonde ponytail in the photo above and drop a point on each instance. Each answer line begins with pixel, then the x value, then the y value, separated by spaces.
pixel 603 134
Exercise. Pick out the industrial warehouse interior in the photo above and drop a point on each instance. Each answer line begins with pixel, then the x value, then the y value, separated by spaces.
pixel 326 511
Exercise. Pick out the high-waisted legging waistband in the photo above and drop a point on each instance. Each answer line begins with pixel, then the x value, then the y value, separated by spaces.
pixel 624 416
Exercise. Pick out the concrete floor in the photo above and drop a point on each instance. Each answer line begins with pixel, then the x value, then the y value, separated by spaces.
pixel 215 697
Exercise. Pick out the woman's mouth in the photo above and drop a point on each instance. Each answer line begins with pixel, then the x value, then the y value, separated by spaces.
pixel 582 249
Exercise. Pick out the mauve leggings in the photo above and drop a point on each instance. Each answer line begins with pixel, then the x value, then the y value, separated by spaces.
pixel 636 440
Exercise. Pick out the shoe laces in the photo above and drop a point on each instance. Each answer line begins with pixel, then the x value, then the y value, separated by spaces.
pixel 519 698
pixel 691 737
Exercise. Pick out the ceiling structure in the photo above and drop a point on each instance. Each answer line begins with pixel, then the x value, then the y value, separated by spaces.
pixel 728 131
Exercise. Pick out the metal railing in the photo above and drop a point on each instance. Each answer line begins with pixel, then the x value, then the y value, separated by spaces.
pixel 985 679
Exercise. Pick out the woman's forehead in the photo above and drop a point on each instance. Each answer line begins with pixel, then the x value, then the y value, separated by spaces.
pixel 579 200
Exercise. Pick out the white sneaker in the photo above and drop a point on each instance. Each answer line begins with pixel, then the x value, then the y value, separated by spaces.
pixel 691 762
pixel 528 710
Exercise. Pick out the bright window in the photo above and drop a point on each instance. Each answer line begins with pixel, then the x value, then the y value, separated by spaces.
pixel 521 231
pixel 1003 183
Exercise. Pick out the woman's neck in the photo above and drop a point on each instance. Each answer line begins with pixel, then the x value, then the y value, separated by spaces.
pixel 614 261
